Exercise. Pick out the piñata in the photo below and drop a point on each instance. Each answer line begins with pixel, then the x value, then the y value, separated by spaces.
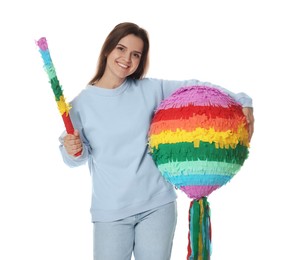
pixel 199 140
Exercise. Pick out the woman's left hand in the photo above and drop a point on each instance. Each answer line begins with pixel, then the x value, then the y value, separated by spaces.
pixel 248 112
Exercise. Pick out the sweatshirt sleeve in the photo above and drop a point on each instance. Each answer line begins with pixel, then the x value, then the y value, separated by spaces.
pixel 169 86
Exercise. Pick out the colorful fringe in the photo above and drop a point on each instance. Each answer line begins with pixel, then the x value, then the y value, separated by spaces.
pixel 200 231
pixel 63 107
pixel 198 139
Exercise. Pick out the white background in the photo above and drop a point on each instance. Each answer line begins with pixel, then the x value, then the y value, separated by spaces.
pixel 245 46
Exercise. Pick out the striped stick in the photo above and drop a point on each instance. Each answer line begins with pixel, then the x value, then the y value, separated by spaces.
pixel 63 107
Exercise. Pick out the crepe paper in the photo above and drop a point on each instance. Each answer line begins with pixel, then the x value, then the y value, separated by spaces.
pixel 200 231
pixel 198 138
pixel 63 107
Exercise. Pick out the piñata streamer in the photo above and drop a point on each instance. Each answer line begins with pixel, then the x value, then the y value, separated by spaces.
pixel 199 140
pixel 63 107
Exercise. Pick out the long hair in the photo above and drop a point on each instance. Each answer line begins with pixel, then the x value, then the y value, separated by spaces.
pixel 121 30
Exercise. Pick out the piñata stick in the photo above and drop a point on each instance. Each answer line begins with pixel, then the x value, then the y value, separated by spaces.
pixel 55 85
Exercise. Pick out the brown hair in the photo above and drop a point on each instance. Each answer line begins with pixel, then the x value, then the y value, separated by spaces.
pixel 121 30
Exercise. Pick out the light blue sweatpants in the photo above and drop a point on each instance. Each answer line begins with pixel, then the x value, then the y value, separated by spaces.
pixel 149 235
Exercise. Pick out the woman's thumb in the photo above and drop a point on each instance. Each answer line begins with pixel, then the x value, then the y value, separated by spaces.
pixel 76 133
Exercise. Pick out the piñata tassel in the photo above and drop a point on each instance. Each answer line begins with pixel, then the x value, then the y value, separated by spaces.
pixel 200 232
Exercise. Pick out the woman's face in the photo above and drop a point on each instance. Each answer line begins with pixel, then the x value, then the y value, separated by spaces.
pixel 124 58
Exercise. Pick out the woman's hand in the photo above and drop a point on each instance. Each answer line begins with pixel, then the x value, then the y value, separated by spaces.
pixel 248 112
pixel 73 143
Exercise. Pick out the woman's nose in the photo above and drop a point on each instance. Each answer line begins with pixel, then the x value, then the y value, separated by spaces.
pixel 127 56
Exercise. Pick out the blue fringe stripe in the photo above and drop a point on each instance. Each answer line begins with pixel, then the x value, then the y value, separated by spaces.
pixel 203 180
pixel 198 168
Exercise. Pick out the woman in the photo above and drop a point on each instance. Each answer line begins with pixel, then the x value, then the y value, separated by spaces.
pixel 133 208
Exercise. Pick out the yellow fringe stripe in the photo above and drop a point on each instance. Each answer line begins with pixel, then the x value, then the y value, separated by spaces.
pixel 63 106
pixel 225 139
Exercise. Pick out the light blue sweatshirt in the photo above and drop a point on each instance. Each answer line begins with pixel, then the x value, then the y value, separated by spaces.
pixel 114 124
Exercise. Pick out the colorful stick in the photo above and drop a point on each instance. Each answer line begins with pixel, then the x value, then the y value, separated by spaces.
pixel 56 87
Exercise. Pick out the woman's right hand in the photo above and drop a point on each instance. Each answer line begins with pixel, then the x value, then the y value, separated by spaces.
pixel 73 143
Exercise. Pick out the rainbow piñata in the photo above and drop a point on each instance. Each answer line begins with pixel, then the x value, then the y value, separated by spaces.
pixel 199 140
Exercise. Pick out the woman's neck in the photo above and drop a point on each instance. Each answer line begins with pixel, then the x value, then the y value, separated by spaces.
pixel 108 83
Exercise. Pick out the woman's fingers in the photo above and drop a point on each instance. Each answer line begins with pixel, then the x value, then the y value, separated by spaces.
pixel 248 112
pixel 72 143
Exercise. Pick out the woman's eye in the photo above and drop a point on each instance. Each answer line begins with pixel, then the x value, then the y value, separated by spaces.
pixel 120 48
pixel 136 55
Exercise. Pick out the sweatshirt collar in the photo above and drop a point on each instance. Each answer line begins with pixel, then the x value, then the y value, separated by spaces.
pixel 108 92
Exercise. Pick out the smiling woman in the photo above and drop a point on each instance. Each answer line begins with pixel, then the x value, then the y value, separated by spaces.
pixel 111 117
pixel 242 45
pixel 140 47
